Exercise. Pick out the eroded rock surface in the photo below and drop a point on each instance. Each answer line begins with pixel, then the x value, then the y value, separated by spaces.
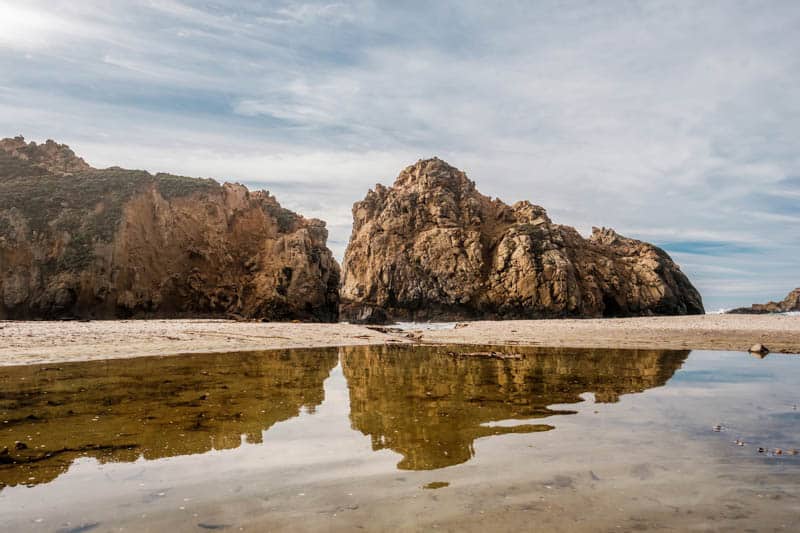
pixel 82 242
pixel 788 304
pixel 432 247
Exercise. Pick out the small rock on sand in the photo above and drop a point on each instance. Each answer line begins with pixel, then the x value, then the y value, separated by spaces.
pixel 759 349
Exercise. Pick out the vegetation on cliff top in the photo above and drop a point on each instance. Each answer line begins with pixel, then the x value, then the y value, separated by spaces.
pixel 85 205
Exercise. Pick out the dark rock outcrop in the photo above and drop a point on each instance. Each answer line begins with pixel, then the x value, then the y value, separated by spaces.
pixel 82 242
pixel 788 304
pixel 432 247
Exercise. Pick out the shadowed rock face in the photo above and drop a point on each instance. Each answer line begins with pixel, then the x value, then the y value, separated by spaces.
pixel 82 242
pixel 121 410
pixel 429 404
pixel 788 304
pixel 432 247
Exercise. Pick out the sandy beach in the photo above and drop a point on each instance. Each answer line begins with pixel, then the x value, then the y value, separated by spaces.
pixel 43 342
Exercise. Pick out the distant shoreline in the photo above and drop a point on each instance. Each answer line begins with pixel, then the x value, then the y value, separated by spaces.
pixel 54 342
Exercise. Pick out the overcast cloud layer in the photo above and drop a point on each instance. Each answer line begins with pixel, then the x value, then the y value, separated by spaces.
pixel 673 122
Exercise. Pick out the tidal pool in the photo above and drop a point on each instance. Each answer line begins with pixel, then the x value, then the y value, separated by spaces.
pixel 391 438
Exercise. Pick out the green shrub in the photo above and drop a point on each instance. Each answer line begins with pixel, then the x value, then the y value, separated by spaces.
pixel 171 186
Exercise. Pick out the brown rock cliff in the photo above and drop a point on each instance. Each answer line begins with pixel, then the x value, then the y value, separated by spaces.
pixel 82 242
pixel 432 247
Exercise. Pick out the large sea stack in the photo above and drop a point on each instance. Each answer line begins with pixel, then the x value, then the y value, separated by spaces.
pixel 81 242
pixel 432 247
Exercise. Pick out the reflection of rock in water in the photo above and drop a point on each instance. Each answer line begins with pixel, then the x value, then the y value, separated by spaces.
pixel 430 406
pixel 150 407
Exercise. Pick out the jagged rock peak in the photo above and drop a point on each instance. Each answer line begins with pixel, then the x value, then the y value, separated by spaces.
pixel 604 235
pixel 433 247
pixel 427 174
pixel 50 156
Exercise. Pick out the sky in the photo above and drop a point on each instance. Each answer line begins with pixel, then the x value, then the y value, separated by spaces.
pixel 673 122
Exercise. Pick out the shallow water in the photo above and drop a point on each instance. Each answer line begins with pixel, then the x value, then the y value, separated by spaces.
pixel 424 326
pixel 403 438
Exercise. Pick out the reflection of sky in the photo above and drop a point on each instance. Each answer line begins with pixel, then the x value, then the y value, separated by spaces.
pixel 675 124
pixel 319 461
pixel 295 453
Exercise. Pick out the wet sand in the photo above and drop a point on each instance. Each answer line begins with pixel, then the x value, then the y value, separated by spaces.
pixel 40 342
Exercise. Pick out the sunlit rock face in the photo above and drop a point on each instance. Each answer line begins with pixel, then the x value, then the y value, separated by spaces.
pixel 121 410
pixel 103 243
pixel 789 304
pixel 430 404
pixel 431 246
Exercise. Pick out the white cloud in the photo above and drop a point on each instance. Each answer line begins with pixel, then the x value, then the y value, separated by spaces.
pixel 308 13
pixel 23 27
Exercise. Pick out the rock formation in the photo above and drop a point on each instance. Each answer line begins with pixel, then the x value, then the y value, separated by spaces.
pixel 789 304
pixel 432 247
pixel 82 242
